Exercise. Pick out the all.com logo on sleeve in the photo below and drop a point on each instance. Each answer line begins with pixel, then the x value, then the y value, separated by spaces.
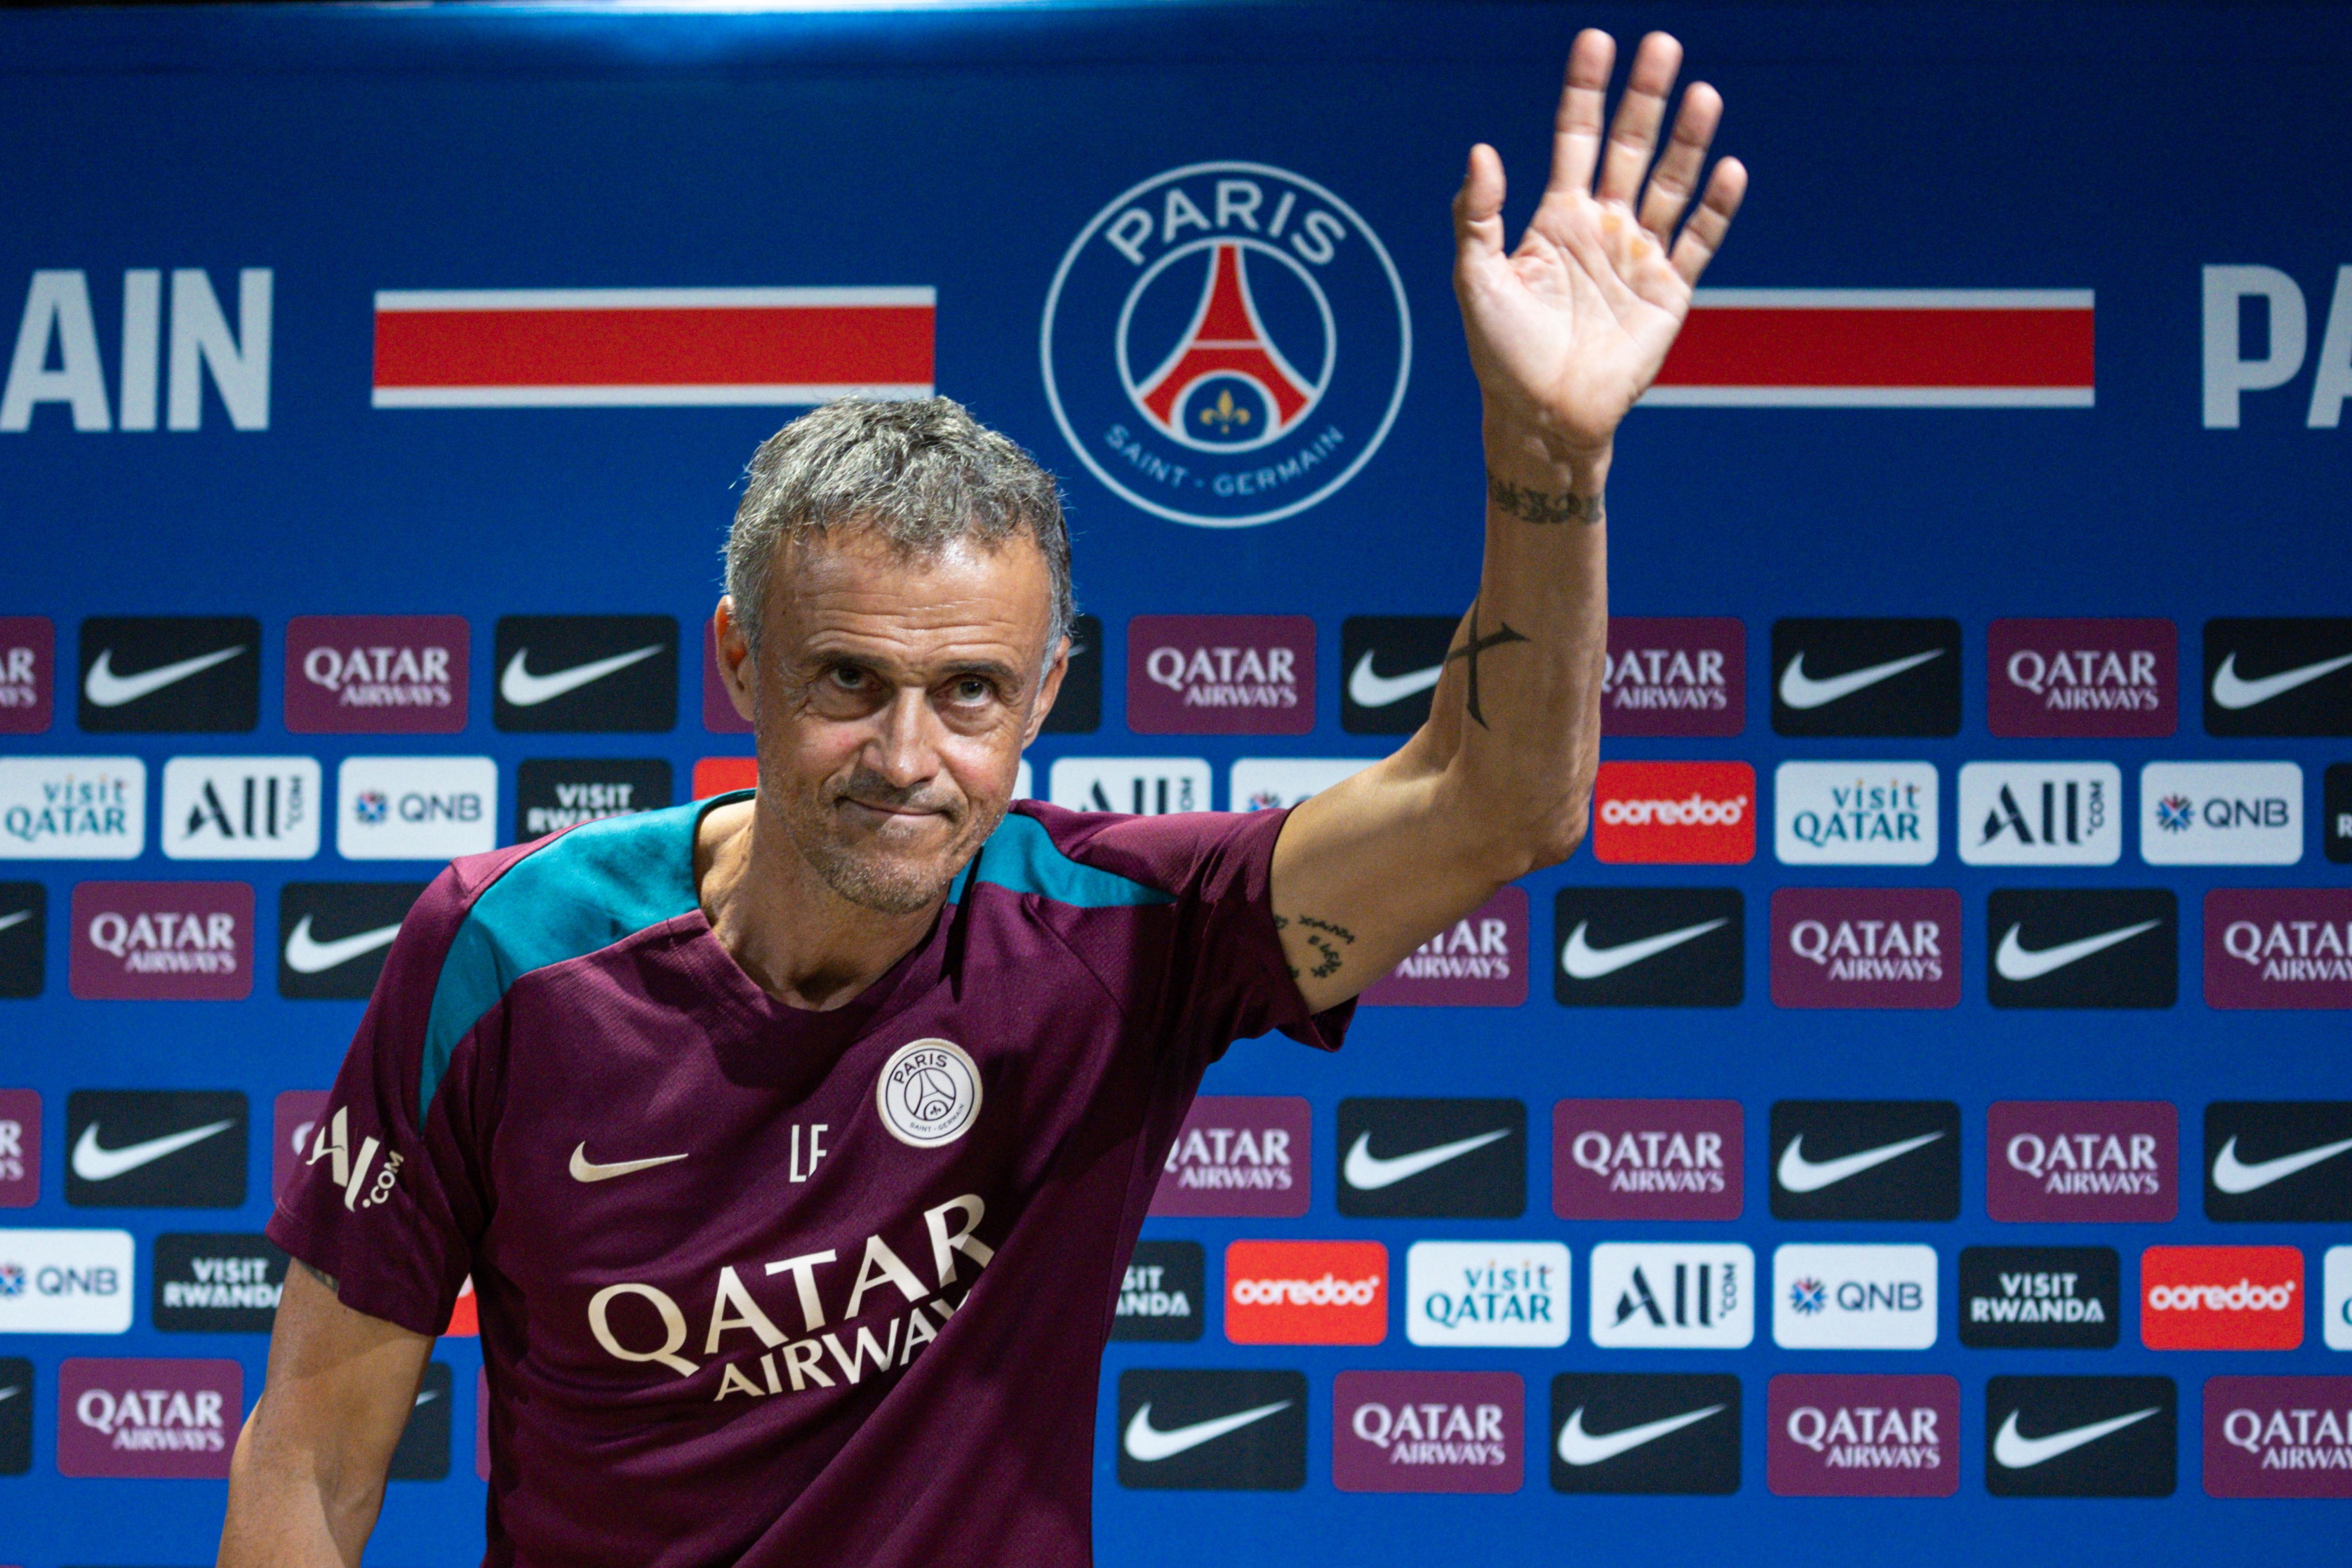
pixel 1226 344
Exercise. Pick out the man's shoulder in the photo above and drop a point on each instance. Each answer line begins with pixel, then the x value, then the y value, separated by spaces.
pixel 1093 860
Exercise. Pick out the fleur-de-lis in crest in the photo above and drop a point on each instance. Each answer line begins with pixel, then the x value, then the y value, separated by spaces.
pixel 1225 415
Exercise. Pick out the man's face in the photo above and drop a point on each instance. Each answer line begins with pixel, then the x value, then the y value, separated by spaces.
pixel 891 699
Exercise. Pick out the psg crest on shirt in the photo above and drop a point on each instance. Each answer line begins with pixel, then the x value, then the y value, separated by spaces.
pixel 929 1093
pixel 1226 344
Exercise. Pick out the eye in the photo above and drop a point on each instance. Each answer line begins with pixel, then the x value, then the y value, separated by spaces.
pixel 847 677
pixel 971 688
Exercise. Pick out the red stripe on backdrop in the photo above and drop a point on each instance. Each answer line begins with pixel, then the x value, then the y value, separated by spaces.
pixel 739 346
pixel 1809 347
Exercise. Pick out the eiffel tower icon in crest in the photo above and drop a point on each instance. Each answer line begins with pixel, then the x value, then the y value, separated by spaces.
pixel 1225 384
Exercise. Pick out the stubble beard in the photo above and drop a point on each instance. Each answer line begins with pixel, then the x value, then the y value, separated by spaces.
pixel 875 879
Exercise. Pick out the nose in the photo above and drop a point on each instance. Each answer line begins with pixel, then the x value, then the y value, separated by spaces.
pixel 902 748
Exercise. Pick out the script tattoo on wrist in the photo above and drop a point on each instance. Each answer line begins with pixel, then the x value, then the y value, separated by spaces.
pixel 322 1277
pixel 1325 937
pixel 1540 508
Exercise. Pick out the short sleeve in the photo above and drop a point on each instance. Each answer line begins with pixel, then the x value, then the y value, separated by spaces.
pixel 388 1201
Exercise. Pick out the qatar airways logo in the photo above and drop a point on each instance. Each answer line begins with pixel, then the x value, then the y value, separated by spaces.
pixel 2105 679
pixel 2278 947
pixel 1232 675
pixel 2278 1437
pixel 169 941
pixel 1847 1434
pixel 1674 676
pixel 2082 1162
pixel 1647 1159
pixel 148 1418
pixel 375 674
pixel 27 674
pixel 1674 812
pixel 1865 947
pixel 1480 961
pixel 1237 1157
pixel 1306 1292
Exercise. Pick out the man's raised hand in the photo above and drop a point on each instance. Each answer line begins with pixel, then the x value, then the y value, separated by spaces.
pixel 1569 328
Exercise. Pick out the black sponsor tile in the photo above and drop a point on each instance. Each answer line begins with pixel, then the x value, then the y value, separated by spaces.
pixel 1166 1440
pixel 2040 1436
pixel 2064 947
pixel 1079 710
pixel 2335 824
pixel 423 1452
pixel 2278 676
pixel 333 937
pixel 1388 667
pixel 15 1416
pixel 24 938
pixel 216 1283
pixel 1165 1295
pixel 1606 1450
pixel 1609 948
pixel 1839 1159
pixel 1428 1158
pixel 2278 1161
pixel 122 1148
pixel 170 674
pixel 1848 677
pixel 546 677
pixel 552 793
pixel 2040 1297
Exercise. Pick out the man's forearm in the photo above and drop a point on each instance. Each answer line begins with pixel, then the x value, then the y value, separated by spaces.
pixel 279 1513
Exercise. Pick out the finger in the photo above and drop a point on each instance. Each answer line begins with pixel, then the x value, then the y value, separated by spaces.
pixel 1703 235
pixel 1479 207
pixel 1576 128
pixel 1633 134
pixel 1677 176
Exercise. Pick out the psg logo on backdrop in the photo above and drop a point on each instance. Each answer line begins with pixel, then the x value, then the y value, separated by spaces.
pixel 1226 344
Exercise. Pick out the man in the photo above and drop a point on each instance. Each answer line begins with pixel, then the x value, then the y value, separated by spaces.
pixel 795 1141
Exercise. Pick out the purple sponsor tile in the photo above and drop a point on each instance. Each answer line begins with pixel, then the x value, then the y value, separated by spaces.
pixel 20 1148
pixel 1647 1159
pixel 718 715
pixel 1221 675
pixel 293 1129
pixel 1675 675
pixel 482 1423
pixel 1428 1431
pixel 1238 1156
pixel 1480 961
pixel 2082 1162
pixel 2278 947
pixel 375 674
pixel 29 673
pixel 1856 1434
pixel 147 1418
pixel 1865 947
pixel 2278 1437
pixel 2099 680
pixel 171 942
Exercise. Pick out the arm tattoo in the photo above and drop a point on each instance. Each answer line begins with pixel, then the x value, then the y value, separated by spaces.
pixel 1475 645
pixel 1326 937
pixel 322 1277
pixel 1535 507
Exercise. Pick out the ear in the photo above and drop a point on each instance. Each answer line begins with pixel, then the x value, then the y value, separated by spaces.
pixel 736 668
pixel 1048 689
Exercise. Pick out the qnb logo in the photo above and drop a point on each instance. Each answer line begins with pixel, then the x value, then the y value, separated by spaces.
pixel 163 942
pixel 58 325
pixel 2228 373
pixel 59 1283
pixel 1328 1291
pixel 156 1420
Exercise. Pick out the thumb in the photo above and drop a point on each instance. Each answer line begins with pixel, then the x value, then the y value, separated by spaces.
pixel 1479 207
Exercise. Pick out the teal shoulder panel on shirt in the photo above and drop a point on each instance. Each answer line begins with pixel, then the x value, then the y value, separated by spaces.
pixel 1022 857
pixel 586 890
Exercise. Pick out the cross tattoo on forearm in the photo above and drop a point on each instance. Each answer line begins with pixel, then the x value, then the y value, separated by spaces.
pixel 1474 646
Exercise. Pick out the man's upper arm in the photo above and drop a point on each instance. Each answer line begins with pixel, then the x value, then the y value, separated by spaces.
pixel 339 1381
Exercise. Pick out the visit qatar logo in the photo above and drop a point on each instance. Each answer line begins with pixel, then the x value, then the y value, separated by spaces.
pixel 1226 344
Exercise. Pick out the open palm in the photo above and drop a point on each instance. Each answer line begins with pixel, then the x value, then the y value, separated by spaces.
pixel 1569 329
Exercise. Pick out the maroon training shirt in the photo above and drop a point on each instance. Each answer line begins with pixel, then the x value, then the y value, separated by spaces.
pixel 775 1287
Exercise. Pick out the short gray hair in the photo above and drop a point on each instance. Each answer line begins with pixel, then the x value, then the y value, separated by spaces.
pixel 918 473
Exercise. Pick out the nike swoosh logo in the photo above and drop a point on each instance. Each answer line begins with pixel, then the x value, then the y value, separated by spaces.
pixel 109 690
pixel 1799 689
pixel 586 1169
pixel 1578 1446
pixel 92 1164
pixel 10 1393
pixel 1799 1175
pixel 1584 961
pixel 425 1396
pixel 2233 1177
pixel 1369 689
pixel 2015 961
pixel 1366 1171
pixel 306 955
pixel 1149 1444
pixel 2233 691
pixel 519 687
pixel 2018 1452
pixel 19 917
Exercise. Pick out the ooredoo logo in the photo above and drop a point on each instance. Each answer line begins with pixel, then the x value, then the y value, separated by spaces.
pixel 1226 344
pixel 2220 1298
pixel 1675 814
pixel 1306 1292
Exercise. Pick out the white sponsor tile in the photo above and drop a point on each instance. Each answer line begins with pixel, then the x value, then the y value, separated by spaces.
pixel 1487 1293
pixel 72 808
pixel 1671 1295
pixel 2040 814
pixel 415 809
pixel 241 808
pixel 1830 1297
pixel 65 1282
pixel 2220 814
pixel 1260 784
pixel 1145 785
pixel 1855 814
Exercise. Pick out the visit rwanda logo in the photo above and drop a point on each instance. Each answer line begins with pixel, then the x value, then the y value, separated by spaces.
pixel 1226 344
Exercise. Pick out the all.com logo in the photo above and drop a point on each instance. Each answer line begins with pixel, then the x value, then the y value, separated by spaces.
pixel 1226 344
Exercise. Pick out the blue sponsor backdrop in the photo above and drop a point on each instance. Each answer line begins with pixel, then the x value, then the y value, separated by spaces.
pixel 2115 149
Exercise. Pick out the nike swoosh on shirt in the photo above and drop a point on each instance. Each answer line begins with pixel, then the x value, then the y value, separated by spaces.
pixel 92 1164
pixel 2233 692
pixel 1368 689
pixel 2015 961
pixel 1584 961
pixel 1578 1446
pixel 2015 1451
pixel 1799 1175
pixel 1367 1171
pixel 107 690
pixel 519 687
pixel 306 955
pixel 2233 1177
pixel 1149 1444
pixel 1799 689
pixel 19 917
pixel 424 1395
pixel 586 1169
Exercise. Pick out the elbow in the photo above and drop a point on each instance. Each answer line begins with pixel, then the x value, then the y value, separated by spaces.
pixel 1554 837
